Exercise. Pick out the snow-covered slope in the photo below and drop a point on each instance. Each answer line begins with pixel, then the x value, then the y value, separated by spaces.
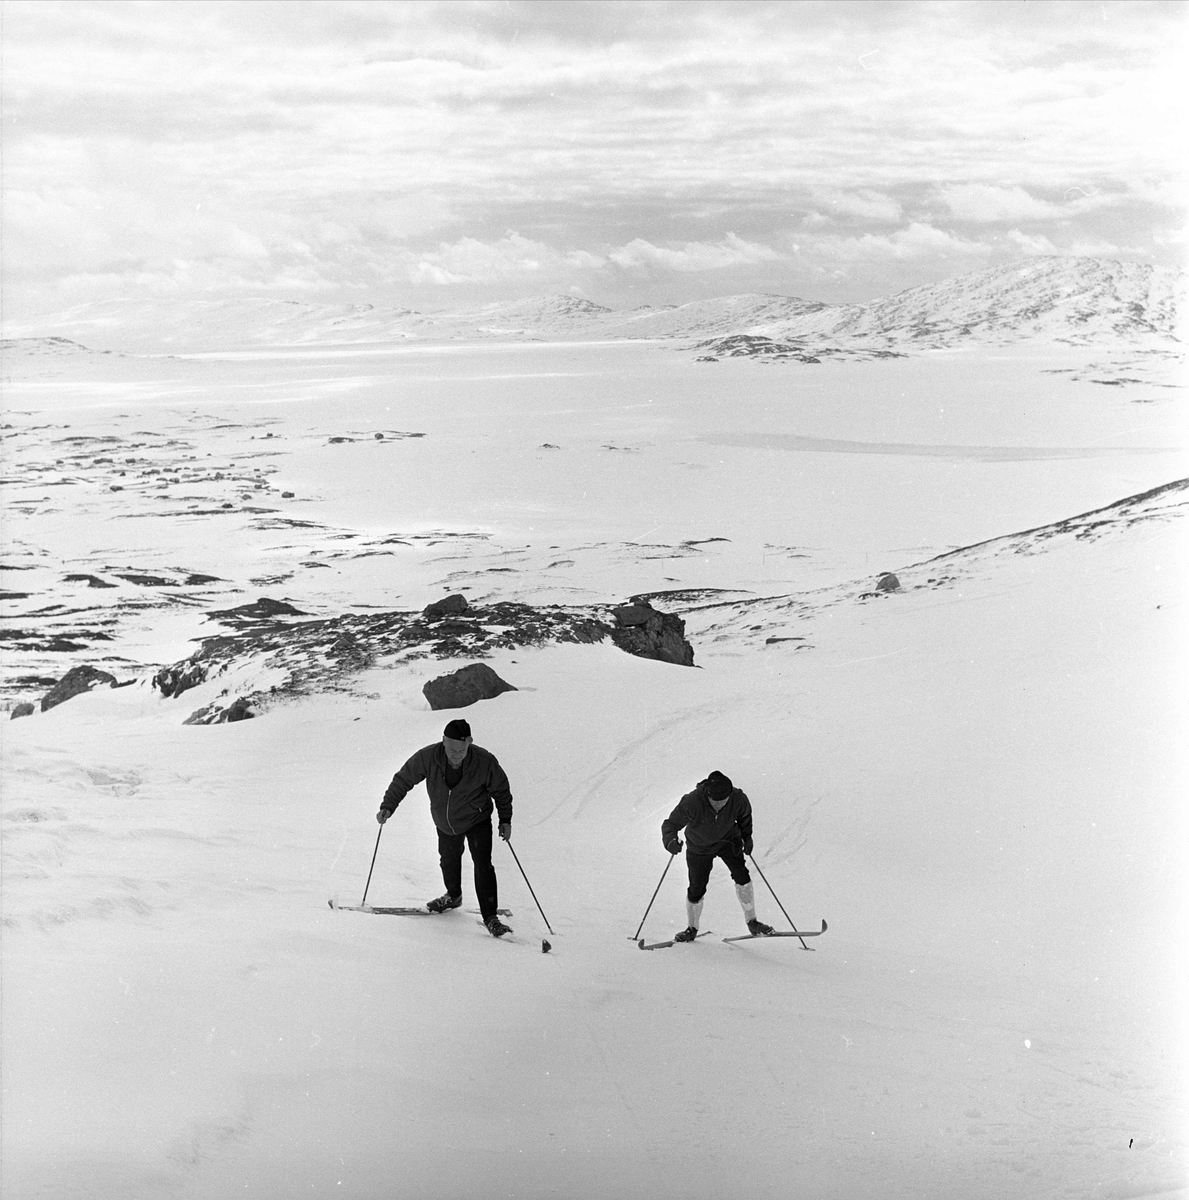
pixel 977 780
pixel 1081 300
pixel 1076 300
pixel 975 786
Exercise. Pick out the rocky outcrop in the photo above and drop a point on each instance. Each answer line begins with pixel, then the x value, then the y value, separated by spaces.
pixel 888 583
pixel 302 657
pixel 642 630
pixel 24 709
pixel 76 681
pixel 746 345
pixel 450 606
pixel 468 685
pixel 181 677
pixel 220 713
pixel 92 581
pixel 264 609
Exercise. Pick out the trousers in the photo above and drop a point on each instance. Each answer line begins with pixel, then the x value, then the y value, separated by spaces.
pixel 478 839
pixel 700 865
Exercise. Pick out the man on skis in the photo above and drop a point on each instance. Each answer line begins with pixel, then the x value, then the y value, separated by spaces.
pixel 464 782
pixel 716 817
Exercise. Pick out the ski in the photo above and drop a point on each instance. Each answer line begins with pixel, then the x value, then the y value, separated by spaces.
pixel 747 937
pixel 390 912
pixel 400 912
pixel 672 942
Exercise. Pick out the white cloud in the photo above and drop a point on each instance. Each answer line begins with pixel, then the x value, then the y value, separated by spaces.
pixel 731 251
pixel 916 241
pixel 270 142
pixel 470 260
pixel 985 203
pixel 865 203
pixel 1030 243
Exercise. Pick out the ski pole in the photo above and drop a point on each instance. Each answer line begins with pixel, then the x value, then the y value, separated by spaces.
pixel 654 895
pixel 777 899
pixel 372 867
pixel 530 888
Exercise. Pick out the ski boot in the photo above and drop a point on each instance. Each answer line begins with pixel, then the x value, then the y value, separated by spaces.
pixel 686 935
pixel 444 903
pixel 496 927
pixel 759 929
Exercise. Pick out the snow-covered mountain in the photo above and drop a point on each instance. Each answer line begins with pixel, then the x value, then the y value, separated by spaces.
pixel 1081 300
pixel 1076 300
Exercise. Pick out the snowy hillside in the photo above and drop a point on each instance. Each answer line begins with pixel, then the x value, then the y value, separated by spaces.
pixel 1077 300
pixel 974 786
pixel 976 776
pixel 1080 300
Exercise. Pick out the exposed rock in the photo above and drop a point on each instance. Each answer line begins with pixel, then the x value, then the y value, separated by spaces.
pixel 24 639
pixel 173 681
pixel 24 709
pixel 888 583
pixel 147 580
pixel 750 344
pixel 448 607
pixel 73 683
pixel 34 681
pixel 659 635
pixel 633 614
pixel 322 654
pixel 349 652
pixel 263 609
pixel 90 580
pixel 467 685
pixel 218 714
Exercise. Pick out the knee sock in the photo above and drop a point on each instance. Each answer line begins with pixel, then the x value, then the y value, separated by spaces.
pixel 693 912
pixel 747 898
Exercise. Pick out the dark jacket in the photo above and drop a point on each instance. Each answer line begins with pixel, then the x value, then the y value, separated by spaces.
pixel 456 809
pixel 707 831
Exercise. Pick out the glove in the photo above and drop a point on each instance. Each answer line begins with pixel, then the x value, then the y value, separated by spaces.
pixel 383 815
pixel 506 830
pixel 748 845
pixel 673 846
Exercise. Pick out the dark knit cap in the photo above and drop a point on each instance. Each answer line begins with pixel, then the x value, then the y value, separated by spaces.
pixel 457 730
pixel 718 786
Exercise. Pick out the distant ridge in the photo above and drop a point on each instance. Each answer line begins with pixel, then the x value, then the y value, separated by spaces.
pixel 1079 301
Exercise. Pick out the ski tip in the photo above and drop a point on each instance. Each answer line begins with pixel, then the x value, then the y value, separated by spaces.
pixel 545 946
pixel 640 943
pixel 824 925
pixel 331 903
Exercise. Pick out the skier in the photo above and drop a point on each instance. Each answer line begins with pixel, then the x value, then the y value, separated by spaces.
pixel 463 781
pixel 716 817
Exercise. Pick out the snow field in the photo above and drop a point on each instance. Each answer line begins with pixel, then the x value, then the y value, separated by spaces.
pixel 979 785
pixel 993 998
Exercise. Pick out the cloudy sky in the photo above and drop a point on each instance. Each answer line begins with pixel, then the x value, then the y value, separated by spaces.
pixel 436 154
